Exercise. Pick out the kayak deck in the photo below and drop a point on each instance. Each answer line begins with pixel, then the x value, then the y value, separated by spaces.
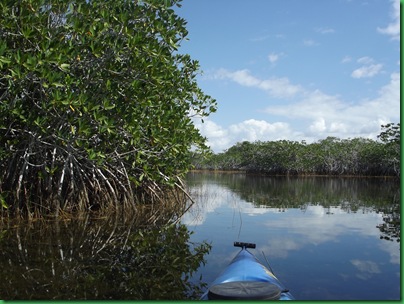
pixel 245 278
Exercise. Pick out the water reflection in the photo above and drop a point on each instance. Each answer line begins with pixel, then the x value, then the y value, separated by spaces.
pixel 99 259
pixel 366 268
pixel 321 234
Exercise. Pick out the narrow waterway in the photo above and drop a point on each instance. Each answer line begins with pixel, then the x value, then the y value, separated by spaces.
pixel 325 238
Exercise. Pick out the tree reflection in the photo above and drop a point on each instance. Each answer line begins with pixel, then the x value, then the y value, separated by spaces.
pixel 99 259
pixel 352 195
pixel 295 192
pixel 391 227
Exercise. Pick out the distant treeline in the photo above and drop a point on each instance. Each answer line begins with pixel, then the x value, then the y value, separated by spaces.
pixel 330 156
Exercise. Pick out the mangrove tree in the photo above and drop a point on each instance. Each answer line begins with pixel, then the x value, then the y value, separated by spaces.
pixel 96 103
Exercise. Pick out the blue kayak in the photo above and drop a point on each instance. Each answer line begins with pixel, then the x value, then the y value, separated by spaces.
pixel 245 278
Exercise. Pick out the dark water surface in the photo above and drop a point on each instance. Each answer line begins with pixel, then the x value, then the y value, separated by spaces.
pixel 93 258
pixel 325 238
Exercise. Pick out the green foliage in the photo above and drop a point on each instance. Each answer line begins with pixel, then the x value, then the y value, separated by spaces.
pixel 390 136
pixel 95 100
pixel 330 156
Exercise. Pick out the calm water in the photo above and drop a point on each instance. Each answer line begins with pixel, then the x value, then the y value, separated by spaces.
pixel 322 236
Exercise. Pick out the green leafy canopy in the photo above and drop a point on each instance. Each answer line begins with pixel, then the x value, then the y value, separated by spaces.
pixel 94 86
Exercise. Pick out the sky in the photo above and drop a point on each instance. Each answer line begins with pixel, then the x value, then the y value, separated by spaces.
pixel 298 70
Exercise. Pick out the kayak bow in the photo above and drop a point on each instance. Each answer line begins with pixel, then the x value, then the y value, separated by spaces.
pixel 245 278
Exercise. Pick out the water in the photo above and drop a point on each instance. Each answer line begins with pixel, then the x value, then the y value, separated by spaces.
pixel 322 236
pixel 97 259
pixel 325 238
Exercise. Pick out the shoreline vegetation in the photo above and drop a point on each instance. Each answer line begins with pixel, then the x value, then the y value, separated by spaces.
pixel 221 171
pixel 357 157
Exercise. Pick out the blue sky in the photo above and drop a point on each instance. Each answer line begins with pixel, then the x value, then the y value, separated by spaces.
pixel 295 69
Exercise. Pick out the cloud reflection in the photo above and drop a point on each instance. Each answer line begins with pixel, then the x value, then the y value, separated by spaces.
pixel 318 224
pixel 289 229
pixel 334 245
pixel 366 268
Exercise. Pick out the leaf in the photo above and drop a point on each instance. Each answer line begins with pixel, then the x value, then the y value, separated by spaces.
pixel 3 202
pixel 37 121
pixel 4 60
pixel 57 84
pixel 65 67
pixel 3 47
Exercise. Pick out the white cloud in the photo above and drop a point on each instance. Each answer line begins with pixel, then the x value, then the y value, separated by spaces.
pixel 214 130
pixel 217 137
pixel 390 93
pixel 338 127
pixel 329 114
pixel 325 30
pixel 393 29
pixel 367 71
pixel 276 87
pixel 242 77
pixel 261 38
pixel 253 130
pixel 309 42
pixel 220 138
pixel 346 59
pixel 365 60
pixel 279 87
pixel 313 104
pixel 318 126
pixel 311 115
pixel 274 57
pixel 369 68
